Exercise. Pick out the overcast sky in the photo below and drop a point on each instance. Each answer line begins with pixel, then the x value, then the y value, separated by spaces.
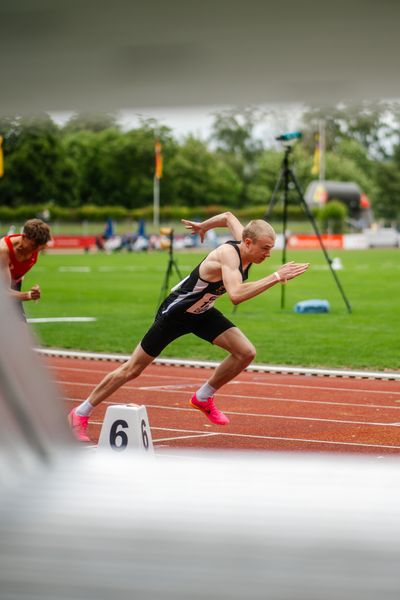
pixel 198 120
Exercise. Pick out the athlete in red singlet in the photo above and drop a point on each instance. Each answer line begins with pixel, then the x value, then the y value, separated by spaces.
pixel 18 254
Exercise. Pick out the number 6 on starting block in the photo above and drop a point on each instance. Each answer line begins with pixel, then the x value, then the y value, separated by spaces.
pixel 126 427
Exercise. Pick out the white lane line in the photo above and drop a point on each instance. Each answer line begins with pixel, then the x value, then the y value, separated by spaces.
pixel 237 381
pixel 324 403
pixel 167 386
pixel 241 397
pixel 62 320
pixel 74 269
pixel 130 268
pixel 268 437
pixel 193 433
pixel 285 439
pixel 185 437
pixel 287 417
pixel 274 399
pixel 142 375
pixel 265 416
pixel 284 417
pixel 173 386
pixel 278 438
pixel 312 387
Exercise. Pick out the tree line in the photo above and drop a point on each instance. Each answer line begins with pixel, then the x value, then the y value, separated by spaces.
pixel 91 162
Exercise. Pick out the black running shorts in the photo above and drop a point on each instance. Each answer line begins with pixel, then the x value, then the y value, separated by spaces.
pixel 166 329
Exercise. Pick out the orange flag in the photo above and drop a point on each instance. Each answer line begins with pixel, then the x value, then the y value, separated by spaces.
pixel 159 160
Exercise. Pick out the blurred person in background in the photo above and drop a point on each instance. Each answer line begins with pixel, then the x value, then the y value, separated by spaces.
pixel 18 254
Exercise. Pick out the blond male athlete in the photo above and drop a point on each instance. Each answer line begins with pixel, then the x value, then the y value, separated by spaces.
pixel 190 309
pixel 18 254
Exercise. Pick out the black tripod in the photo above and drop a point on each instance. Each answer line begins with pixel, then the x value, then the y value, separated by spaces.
pixel 286 176
pixel 171 264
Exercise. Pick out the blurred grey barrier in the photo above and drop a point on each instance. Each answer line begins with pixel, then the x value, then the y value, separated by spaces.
pixel 78 524
pixel 233 526
pixel 32 419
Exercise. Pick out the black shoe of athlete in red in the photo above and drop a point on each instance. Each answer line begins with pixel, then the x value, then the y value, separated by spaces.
pixel 212 413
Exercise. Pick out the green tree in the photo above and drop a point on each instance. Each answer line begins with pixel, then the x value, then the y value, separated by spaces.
pixel 95 122
pixel 118 168
pixel 234 134
pixel 203 177
pixel 332 217
pixel 37 170
pixel 388 184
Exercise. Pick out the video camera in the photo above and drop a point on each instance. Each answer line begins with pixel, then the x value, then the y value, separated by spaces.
pixel 288 139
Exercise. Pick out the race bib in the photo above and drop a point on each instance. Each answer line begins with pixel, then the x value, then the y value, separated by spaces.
pixel 205 303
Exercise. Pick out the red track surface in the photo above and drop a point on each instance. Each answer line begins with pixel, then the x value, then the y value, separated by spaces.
pixel 267 411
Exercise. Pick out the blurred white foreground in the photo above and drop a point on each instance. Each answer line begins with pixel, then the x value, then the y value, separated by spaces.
pixel 82 524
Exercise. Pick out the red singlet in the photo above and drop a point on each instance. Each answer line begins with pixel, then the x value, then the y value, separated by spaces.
pixel 19 268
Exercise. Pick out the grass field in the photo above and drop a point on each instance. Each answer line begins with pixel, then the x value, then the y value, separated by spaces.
pixel 122 290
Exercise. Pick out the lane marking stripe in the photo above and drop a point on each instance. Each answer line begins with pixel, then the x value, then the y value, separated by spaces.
pixel 185 437
pixel 265 416
pixel 284 439
pixel 238 396
pixel 62 320
pixel 236 382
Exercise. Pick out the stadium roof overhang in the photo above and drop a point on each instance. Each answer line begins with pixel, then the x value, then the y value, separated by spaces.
pixel 108 55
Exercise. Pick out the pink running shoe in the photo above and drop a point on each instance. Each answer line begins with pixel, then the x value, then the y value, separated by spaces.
pixel 210 410
pixel 79 426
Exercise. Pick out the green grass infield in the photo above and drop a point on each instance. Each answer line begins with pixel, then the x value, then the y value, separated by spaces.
pixel 121 291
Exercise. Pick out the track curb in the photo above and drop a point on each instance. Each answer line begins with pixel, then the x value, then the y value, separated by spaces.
pixel 199 364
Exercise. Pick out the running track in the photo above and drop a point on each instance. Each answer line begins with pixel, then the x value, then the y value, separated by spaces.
pixel 267 411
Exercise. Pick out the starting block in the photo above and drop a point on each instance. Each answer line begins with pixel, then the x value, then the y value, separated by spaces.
pixel 126 427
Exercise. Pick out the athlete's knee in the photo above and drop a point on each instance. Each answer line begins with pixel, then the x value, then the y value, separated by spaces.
pixel 247 353
pixel 251 353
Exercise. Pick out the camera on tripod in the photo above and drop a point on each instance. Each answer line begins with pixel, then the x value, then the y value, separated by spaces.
pixel 288 139
pixel 286 180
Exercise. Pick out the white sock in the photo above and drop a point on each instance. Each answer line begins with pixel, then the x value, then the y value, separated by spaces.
pixel 205 392
pixel 84 409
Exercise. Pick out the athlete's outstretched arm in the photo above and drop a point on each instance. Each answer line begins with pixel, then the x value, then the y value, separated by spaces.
pixel 226 219
pixel 239 291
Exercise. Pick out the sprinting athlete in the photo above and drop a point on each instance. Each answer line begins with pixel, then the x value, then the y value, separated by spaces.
pixel 190 309
pixel 18 254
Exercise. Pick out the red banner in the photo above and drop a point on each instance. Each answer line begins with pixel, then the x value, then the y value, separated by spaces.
pixel 309 242
pixel 72 241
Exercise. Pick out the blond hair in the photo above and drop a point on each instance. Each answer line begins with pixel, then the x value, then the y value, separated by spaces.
pixel 256 229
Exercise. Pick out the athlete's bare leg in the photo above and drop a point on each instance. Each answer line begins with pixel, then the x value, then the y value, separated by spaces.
pixel 126 372
pixel 241 354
